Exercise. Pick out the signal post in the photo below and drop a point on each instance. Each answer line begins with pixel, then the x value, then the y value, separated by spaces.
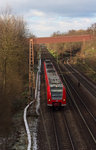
pixel 31 70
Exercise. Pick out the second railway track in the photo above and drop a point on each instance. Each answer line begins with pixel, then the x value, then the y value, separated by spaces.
pixel 82 79
pixel 86 115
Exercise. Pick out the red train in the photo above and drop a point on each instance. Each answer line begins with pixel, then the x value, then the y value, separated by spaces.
pixel 56 92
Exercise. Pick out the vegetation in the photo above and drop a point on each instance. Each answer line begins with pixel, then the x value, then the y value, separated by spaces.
pixel 13 67
pixel 85 61
pixel 14 73
pixel 81 54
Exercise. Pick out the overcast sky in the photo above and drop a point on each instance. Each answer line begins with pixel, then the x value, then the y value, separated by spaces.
pixel 44 17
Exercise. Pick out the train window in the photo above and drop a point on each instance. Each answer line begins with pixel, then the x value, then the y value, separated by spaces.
pixel 56 88
pixel 56 95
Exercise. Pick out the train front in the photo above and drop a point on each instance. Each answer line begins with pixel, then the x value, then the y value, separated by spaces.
pixel 56 95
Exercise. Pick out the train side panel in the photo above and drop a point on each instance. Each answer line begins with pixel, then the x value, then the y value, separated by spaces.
pixel 45 72
pixel 54 97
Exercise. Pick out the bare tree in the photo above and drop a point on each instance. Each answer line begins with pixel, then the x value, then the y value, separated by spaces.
pixel 13 64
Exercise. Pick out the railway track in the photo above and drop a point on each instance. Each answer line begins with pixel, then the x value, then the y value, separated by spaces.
pixel 88 118
pixel 48 130
pixel 63 131
pixel 88 99
pixel 60 130
pixel 89 85
pixel 55 129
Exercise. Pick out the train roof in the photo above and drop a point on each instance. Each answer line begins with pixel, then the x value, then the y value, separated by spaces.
pixel 53 77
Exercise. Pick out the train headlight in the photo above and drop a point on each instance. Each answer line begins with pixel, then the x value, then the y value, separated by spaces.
pixel 63 100
pixel 49 100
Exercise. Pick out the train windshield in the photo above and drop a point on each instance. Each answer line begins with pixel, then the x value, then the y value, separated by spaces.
pixel 56 93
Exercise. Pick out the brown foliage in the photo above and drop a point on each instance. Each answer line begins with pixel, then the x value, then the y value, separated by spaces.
pixel 13 65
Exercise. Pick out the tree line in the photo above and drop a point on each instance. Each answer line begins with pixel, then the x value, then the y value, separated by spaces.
pixel 13 66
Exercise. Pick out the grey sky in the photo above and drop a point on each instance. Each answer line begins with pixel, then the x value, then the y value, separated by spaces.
pixel 46 16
